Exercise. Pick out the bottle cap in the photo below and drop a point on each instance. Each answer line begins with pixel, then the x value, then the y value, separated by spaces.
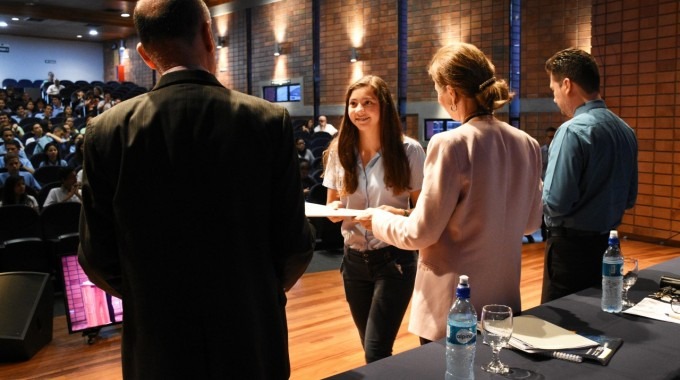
pixel 463 289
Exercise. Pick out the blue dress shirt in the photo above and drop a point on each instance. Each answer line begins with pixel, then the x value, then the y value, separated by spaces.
pixel 592 174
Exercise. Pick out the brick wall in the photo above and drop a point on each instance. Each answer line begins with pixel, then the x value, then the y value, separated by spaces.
pixel 635 42
pixel 637 45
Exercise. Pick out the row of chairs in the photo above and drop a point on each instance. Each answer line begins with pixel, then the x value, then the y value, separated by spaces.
pixel 32 241
pixel 20 221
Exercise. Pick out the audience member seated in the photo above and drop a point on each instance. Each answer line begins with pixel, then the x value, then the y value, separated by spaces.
pixel 69 131
pixel 68 112
pixel 14 193
pixel 54 89
pixel 69 191
pixel 79 103
pixel 13 165
pixel 75 159
pixel 13 147
pixel 30 108
pixel 91 104
pixel 8 135
pixel 37 131
pixel 56 135
pixel 7 122
pixel 57 107
pixel 20 113
pixel 106 103
pixel 307 180
pixel 46 114
pixel 325 127
pixel 4 107
pixel 52 156
pixel 302 151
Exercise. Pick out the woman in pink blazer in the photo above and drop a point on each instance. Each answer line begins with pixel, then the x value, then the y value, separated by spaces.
pixel 481 193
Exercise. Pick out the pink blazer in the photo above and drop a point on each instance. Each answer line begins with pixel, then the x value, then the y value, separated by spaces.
pixel 481 194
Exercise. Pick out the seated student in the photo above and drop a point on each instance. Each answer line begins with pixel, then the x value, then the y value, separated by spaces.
pixel 302 151
pixel 76 159
pixel 307 180
pixel 52 156
pixel 69 191
pixel 56 135
pixel 8 135
pixel 14 193
pixel 13 165
pixel 7 122
pixel 13 147
pixel 37 131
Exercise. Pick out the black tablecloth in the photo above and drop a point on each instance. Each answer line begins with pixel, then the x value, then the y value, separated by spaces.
pixel 650 350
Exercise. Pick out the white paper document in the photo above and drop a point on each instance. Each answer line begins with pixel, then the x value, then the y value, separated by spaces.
pixel 655 309
pixel 317 210
pixel 531 333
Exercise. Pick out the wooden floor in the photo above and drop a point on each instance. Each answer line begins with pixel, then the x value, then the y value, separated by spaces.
pixel 323 339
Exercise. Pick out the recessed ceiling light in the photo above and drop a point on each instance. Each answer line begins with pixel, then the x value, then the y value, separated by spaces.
pixel 124 15
pixel 15 18
pixel 79 36
pixel 3 24
pixel 93 32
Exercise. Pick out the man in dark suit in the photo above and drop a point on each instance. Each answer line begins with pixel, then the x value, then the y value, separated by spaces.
pixel 202 274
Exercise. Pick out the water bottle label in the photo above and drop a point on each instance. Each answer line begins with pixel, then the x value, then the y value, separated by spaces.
pixel 461 335
pixel 612 270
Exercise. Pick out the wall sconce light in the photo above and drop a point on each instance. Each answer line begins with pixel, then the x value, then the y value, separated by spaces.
pixel 221 42
pixel 277 49
pixel 354 56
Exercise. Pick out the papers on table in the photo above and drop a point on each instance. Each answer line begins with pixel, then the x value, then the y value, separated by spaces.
pixel 655 309
pixel 532 334
pixel 317 210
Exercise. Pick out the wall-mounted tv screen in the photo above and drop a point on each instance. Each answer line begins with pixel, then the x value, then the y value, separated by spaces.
pixel 282 93
pixel 434 126
pixel 87 306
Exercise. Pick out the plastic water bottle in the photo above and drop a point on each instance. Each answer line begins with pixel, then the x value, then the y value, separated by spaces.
pixel 612 276
pixel 461 335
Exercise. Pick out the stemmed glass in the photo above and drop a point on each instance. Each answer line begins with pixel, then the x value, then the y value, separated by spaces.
pixel 497 329
pixel 630 275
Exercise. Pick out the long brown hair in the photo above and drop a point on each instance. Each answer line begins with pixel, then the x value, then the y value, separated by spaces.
pixel 397 169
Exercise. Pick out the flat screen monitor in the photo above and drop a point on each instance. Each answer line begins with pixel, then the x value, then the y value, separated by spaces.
pixel 88 308
pixel 434 126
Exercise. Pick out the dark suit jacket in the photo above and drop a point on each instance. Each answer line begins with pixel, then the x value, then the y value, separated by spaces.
pixel 198 242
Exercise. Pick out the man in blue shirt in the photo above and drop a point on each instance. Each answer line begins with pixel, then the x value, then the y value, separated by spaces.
pixel 591 178
pixel 13 165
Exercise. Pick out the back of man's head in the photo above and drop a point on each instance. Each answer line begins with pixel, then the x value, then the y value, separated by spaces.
pixel 577 65
pixel 158 21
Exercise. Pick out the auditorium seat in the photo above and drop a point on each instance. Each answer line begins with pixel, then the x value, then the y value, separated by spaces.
pixel 25 254
pixel 19 221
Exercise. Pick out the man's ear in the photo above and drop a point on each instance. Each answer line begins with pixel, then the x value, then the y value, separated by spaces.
pixel 145 56
pixel 207 36
pixel 567 85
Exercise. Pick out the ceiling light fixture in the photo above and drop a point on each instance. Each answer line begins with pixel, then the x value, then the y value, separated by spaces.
pixel 125 14
pixel 3 24
pixel 93 32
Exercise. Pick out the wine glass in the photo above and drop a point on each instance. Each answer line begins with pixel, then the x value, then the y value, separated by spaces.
pixel 630 275
pixel 497 329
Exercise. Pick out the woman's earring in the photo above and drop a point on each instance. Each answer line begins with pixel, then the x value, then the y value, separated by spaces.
pixel 454 107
